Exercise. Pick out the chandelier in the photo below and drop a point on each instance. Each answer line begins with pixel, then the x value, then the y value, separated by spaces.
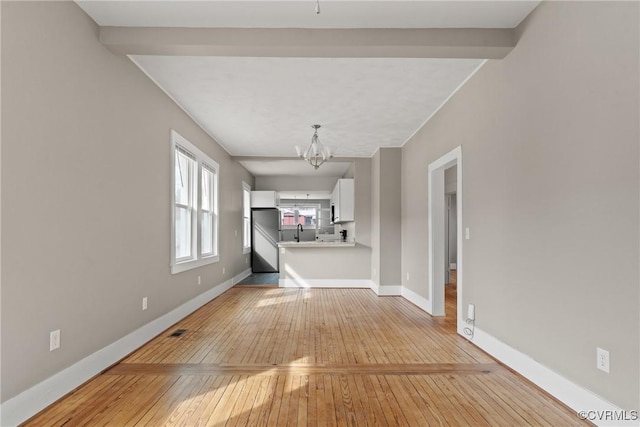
pixel 317 153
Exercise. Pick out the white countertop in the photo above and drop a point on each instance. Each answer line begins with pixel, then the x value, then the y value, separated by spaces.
pixel 317 244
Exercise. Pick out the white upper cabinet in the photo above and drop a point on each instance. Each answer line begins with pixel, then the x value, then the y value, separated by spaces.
pixel 264 199
pixel 342 201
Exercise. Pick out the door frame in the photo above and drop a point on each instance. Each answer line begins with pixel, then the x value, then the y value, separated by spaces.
pixel 436 230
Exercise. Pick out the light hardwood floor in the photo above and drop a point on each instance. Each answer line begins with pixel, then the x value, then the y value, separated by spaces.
pixel 270 356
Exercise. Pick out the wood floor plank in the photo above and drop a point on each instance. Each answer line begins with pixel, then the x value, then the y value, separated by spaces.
pixel 329 409
pixel 303 401
pixel 203 409
pixel 309 357
pixel 242 409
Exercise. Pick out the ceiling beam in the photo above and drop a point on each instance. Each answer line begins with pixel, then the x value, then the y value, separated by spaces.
pixel 480 43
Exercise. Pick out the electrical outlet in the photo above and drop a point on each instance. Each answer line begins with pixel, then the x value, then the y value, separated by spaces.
pixel 54 340
pixel 246 260
pixel 199 280
pixel 471 312
pixel 223 270
pixel 602 359
pixel 408 276
pixel 144 303
pixel 467 233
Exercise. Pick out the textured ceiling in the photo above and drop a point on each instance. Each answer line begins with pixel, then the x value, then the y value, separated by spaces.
pixel 266 106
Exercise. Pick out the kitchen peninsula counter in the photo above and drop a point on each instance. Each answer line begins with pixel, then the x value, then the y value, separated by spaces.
pixel 317 244
pixel 332 264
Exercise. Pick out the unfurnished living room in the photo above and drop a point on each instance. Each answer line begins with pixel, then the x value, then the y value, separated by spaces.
pixel 320 212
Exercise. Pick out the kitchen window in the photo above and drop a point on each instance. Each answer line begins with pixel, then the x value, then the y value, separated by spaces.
pixel 291 216
pixel 194 231
pixel 246 218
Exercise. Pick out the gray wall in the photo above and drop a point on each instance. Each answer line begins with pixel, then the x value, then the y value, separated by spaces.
pixel 85 194
pixel 450 188
pixel 386 206
pixel 550 169
pixel 452 229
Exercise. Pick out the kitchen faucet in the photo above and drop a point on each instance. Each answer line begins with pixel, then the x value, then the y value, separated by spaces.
pixel 298 230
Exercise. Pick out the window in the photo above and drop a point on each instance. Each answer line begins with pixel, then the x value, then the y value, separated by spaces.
pixel 184 175
pixel 194 234
pixel 209 211
pixel 246 218
pixel 307 215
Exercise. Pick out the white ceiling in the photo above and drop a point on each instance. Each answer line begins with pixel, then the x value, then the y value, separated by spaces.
pixel 300 13
pixel 266 106
pixel 295 167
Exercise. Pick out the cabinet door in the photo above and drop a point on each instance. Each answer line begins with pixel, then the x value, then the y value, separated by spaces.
pixel 347 202
pixel 263 199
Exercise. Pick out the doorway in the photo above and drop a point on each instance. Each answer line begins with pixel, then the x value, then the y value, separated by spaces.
pixel 439 260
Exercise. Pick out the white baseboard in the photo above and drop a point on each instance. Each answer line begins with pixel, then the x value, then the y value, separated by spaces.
pixel 569 393
pixel 416 299
pixel 28 403
pixel 326 283
pixel 240 277
pixel 387 291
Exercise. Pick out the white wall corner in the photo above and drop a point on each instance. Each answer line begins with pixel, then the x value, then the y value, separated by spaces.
pixel 569 393
pixel 240 277
pixel 375 287
pixel 28 403
pixel 388 291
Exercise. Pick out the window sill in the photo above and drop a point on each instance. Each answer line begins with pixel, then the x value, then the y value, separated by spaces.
pixel 189 265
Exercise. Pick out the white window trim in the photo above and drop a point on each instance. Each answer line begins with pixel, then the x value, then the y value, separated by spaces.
pixel 246 249
pixel 201 159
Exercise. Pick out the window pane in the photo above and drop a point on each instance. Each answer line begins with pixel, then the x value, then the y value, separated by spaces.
pixel 287 216
pixel 207 233
pixel 183 232
pixel 207 186
pixel 307 216
pixel 246 203
pixel 247 233
pixel 183 173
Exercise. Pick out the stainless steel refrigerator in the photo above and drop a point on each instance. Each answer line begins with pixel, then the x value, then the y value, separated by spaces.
pixel 265 234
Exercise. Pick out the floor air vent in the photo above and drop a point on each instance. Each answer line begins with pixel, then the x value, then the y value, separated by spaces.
pixel 178 332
